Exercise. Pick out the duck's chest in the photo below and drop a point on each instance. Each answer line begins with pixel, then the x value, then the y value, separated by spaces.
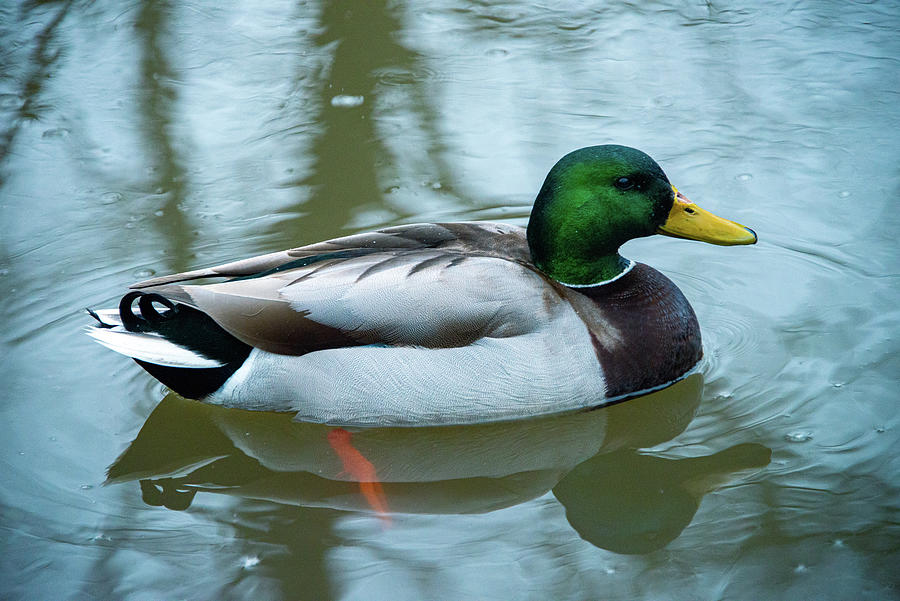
pixel 644 331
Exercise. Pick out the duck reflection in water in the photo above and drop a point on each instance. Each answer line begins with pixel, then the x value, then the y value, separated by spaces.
pixel 615 497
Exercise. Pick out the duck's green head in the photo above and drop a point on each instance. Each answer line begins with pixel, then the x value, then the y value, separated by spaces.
pixel 597 198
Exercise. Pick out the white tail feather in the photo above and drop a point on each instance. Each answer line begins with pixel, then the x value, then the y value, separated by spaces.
pixel 149 347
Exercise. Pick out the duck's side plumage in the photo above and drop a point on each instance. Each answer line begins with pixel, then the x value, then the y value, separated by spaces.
pixel 428 323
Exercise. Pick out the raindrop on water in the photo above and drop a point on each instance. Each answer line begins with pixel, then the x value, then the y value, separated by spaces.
pixel 58 132
pixel 798 436
pixel 111 198
pixel 347 101
pixel 744 177
pixel 143 273
pixel 249 561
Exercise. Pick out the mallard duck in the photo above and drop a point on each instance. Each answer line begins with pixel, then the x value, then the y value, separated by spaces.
pixel 440 323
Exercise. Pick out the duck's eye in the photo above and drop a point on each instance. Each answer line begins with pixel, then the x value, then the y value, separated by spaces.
pixel 624 183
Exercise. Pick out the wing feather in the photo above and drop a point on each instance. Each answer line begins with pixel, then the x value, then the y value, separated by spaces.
pixel 430 285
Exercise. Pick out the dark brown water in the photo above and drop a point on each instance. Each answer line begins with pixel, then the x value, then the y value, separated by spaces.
pixel 141 138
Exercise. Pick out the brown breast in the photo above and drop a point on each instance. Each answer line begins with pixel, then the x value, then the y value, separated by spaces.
pixel 644 330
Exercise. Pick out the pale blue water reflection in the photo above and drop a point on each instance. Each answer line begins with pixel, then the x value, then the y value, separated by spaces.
pixel 145 137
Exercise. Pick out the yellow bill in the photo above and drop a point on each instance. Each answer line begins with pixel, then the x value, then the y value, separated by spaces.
pixel 687 220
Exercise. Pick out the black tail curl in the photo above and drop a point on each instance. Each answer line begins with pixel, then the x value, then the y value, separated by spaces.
pixel 188 328
pixel 149 316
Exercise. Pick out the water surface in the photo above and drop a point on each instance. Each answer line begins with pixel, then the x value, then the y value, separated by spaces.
pixel 141 138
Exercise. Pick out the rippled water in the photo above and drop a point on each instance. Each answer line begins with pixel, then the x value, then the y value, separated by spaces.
pixel 141 138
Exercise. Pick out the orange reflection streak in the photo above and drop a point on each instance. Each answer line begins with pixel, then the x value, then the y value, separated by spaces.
pixel 362 471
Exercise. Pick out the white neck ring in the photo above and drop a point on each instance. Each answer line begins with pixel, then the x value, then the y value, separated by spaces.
pixel 631 265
